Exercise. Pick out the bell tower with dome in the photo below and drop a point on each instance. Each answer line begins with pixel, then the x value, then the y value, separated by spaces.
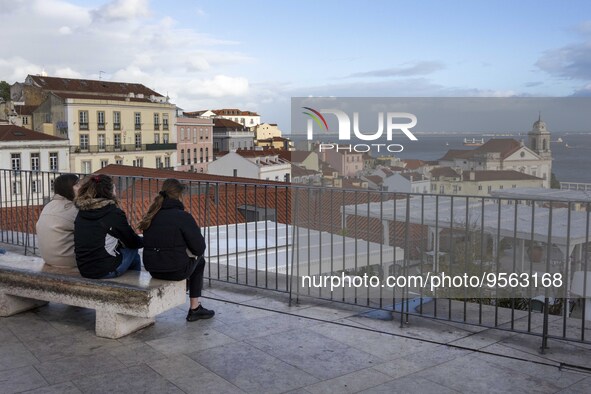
pixel 539 139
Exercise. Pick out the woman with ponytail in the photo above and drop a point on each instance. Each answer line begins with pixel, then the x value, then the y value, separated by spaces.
pixel 105 244
pixel 174 246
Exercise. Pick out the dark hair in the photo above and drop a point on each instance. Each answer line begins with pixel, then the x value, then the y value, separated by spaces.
pixel 171 188
pixel 64 185
pixel 96 186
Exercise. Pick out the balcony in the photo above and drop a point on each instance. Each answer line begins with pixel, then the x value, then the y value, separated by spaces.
pixel 83 126
pixel 117 126
pixel 137 126
pixel 168 146
pixel 100 126
pixel 110 148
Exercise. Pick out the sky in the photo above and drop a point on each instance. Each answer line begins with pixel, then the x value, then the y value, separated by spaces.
pixel 256 55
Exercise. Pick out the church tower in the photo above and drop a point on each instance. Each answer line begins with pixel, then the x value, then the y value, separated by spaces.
pixel 539 139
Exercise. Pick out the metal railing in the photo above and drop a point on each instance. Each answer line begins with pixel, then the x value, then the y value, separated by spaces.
pixel 576 186
pixel 122 147
pixel 274 235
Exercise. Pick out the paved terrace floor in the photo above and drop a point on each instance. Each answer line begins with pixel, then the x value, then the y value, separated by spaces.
pixel 257 343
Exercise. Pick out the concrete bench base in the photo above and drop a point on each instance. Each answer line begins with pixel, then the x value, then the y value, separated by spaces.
pixel 11 305
pixel 116 325
pixel 123 305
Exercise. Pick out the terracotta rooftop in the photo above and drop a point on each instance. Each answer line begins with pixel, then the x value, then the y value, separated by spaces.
pixel 375 179
pixel 233 112
pixel 294 156
pixel 415 176
pixel 55 84
pixel 413 164
pixel 258 152
pixel 157 173
pixel 504 146
pixel 397 168
pixel 446 172
pixel 457 154
pixel 297 171
pixel 25 109
pixel 274 139
pixel 387 171
pixel 17 133
pixel 219 123
pixel 91 96
pixel 500 175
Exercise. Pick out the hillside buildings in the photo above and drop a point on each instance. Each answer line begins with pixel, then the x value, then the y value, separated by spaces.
pixel 194 143
pixel 247 119
pixel 257 164
pixel 24 156
pixel 105 122
pixel 504 154
pixel 229 136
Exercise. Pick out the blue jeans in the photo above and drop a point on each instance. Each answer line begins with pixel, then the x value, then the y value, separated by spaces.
pixel 130 260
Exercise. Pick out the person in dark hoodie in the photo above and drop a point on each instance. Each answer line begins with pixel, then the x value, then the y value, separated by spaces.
pixel 174 246
pixel 104 243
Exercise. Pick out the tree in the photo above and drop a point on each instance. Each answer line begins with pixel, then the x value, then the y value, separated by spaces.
pixel 4 91
pixel 554 183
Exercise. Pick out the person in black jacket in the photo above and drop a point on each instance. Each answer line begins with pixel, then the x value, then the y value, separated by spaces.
pixel 174 246
pixel 104 243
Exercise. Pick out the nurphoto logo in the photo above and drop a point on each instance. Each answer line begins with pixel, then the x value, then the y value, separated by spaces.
pixel 394 121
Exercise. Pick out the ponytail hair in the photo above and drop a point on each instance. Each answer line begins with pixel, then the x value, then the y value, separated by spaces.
pixel 96 186
pixel 171 188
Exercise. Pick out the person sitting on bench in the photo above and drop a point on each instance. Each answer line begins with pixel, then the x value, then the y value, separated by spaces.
pixel 174 246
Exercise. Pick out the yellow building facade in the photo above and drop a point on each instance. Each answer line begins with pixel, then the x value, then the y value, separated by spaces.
pixel 134 131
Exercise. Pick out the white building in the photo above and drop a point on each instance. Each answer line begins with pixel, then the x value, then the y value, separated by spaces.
pixel 505 154
pixel 24 156
pixel 256 164
pixel 407 182
pixel 245 118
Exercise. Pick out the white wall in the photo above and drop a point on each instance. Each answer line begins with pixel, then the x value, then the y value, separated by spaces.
pixel 226 165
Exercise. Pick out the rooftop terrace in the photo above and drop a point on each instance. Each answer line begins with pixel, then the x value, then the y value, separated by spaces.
pixel 258 343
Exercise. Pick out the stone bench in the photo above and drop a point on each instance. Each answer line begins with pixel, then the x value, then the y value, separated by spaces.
pixel 123 305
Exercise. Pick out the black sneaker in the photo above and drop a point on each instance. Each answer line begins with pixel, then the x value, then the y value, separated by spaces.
pixel 199 313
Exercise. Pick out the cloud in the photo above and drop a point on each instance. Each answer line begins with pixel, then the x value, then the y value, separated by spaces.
pixel 570 61
pixel 57 9
pixel 10 6
pixel 218 86
pixel 67 72
pixel 65 30
pixel 585 91
pixel 533 83
pixel 420 68
pixel 71 41
pixel 122 10
pixel 17 68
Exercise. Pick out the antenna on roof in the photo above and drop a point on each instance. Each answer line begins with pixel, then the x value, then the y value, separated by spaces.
pixel 101 75
pixel 540 116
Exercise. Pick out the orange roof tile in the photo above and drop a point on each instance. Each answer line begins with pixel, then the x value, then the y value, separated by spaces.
pixel 16 133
